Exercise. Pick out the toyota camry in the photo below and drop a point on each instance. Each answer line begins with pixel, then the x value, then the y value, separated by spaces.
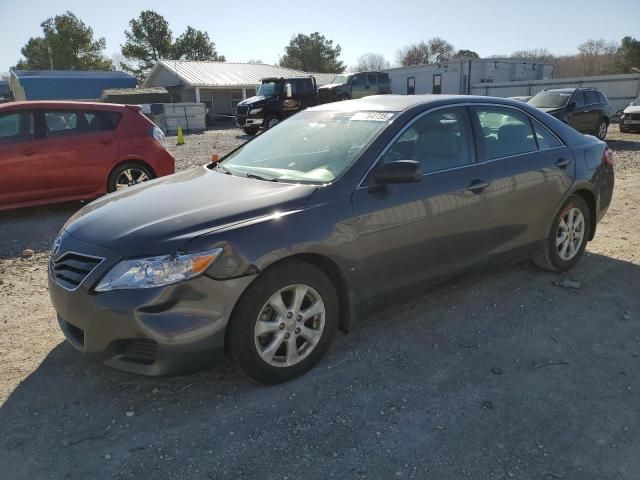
pixel 267 253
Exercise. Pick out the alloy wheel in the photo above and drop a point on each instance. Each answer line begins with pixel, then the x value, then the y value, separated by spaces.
pixel 273 122
pixel 290 325
pixel 129 177
pixel 570 234
pixel 602 130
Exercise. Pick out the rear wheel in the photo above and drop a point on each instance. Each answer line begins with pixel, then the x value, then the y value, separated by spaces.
pixel 284 323
pixel 567 238
pixel 128 175
pixel 601 132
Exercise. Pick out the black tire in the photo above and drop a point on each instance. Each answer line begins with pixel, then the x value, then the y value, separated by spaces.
pixel 601 131
pixel 267 123
pixel 122 168
pixel 241 334
pixel 624 130
pixel 549 258
pixel 343 97
pixel 250 131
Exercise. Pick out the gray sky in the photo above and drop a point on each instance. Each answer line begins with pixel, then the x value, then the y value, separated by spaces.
pixel 245 29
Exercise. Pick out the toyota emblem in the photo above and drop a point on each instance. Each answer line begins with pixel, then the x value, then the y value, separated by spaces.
pixel 56 245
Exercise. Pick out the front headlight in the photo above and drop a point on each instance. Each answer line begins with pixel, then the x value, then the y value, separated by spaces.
pixel 156 271
pixel 254 111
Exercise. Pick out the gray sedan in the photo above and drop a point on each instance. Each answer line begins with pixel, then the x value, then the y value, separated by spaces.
pixel 267 253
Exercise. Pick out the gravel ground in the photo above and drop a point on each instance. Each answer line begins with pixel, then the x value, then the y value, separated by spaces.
pixel 498 375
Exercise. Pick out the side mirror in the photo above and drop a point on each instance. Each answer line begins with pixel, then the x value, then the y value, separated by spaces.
pixel 399 171
pixel 571 106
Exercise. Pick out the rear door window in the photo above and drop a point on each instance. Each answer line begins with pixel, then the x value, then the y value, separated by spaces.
pixel 591 97
pixel 61 122
pixel 383 78
pixel 544 137
pixel 578 97
pixel 505 132
pixel 373 80
pixel 16 127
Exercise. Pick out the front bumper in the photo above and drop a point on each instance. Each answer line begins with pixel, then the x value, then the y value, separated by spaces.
pixel 156 331
pixel 247 122
pixel 630 124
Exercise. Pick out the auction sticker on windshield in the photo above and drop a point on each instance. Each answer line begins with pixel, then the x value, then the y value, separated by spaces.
pixel 372 116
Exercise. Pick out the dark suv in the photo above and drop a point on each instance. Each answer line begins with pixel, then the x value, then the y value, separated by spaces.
pixel 585 109
pixel 356 85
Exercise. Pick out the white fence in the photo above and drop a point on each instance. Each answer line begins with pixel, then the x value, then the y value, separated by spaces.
pixel 619 89
pixel 169 116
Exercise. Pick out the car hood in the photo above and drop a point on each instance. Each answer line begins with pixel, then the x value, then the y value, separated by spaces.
pixel 253 100
pixel 632 109
pixel 550 110
pixel 330 86
pixel 163 215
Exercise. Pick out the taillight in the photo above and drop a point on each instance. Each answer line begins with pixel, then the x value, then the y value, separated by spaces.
pixel 607 156
pixel 158 136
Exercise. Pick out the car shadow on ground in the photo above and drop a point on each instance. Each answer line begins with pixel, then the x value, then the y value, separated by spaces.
pixel 34 228
pixel 502 372
pixel 630 145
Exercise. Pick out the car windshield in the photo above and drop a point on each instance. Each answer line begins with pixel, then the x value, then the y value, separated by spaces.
pixel 550 99
pixel 268 89
pixel 636 103
pixel 310 147
pixel 341 79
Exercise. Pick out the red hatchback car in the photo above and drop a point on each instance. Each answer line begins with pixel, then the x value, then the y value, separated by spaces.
pixel 60 151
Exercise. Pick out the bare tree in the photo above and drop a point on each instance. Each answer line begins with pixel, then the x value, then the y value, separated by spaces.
pixel 255 61
pixel 597 56
pixel 539 55
pixel 371 61
pixel 440 50
pixel 435 50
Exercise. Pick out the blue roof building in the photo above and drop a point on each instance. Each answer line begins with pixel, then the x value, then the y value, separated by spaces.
pixel 66 84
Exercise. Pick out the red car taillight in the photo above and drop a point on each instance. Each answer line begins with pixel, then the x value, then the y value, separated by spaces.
pixel 607 156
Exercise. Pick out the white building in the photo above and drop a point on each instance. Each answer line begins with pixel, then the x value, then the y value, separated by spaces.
pixel 457 77
pixel 219 85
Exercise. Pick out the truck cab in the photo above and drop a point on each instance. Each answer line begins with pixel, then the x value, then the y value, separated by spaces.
pixel 276 99
pixel 355 85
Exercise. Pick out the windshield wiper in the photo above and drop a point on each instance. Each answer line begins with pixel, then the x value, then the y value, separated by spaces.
pixel 258 177
pixel 223 169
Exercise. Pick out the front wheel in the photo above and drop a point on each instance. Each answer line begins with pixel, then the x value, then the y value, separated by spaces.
pixel 601 133
pixel 284 323
pixel 128 175
pixel 270 122
pixel 567 238
pixel 250 130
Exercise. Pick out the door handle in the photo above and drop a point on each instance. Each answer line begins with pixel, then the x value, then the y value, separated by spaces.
pixel 563 162
pixel 477 186
pixel 29 152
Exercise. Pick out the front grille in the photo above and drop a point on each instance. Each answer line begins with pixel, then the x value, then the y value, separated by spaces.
pixel 142 351
pixel 635 116
pixel 242 110
pixel 70 269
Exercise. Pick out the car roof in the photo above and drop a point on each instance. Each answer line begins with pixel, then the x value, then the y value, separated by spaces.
pixel 60 104
pixel 569 89
pixel 398 103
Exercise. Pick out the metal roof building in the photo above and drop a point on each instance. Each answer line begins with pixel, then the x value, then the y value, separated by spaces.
pixel 220 85
pixel 65 84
